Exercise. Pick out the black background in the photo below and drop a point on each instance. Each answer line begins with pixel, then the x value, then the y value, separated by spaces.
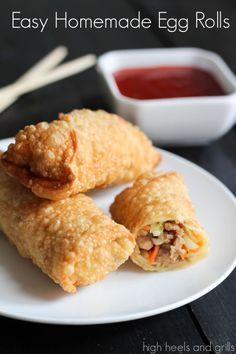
pixel 210 319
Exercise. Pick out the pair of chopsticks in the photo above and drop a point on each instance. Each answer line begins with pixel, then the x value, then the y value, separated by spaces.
pixel 44 72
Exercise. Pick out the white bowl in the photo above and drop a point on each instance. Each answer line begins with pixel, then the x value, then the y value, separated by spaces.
pixel 173 121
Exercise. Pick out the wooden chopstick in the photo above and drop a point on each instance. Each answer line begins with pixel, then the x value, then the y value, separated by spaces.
pixel 65 70
pixel 43 65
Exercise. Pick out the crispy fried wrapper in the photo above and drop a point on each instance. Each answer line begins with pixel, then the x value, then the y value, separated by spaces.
pixel 82 150
pixel 158 211
pixel 70 240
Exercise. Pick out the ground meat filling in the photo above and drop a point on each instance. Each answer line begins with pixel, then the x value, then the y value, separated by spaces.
pixel 165 241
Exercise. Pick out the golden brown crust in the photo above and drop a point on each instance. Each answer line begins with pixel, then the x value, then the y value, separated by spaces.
pixel 71 240
pixel 154 197
pixel 157 197
pixel 82 150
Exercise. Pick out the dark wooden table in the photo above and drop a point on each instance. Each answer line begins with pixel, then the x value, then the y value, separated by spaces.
pixel 209 320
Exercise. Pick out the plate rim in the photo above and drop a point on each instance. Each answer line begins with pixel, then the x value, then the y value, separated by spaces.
pixel 147 313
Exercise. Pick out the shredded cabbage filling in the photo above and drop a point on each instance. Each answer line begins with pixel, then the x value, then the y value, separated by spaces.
pixel 169 239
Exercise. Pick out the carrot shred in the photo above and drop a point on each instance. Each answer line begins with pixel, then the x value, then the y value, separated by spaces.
pixel 146 228
pixel 184 256
pixel 200 243
pixel 193 250
pixel 153 253
pixel 196 237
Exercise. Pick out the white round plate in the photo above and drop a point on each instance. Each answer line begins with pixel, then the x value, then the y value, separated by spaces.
pixel 129 293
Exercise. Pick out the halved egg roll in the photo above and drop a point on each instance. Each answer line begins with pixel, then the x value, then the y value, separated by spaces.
pixel 158 211
pixel 70 240
pixel 82 150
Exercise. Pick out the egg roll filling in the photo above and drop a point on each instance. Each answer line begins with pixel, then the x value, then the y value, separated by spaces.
pixel 171 241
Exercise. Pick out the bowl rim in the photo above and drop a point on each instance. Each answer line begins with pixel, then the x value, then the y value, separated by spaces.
pixel 210 55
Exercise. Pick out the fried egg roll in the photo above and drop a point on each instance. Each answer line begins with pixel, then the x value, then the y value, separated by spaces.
pixel 158 211
pixel 70 240
pixel 80 151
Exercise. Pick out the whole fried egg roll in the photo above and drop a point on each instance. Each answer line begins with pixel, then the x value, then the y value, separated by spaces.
pixel 70 240
pixel 158 211
pixel 82 150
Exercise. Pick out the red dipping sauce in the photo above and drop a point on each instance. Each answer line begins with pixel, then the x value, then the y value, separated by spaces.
pixel 166 82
